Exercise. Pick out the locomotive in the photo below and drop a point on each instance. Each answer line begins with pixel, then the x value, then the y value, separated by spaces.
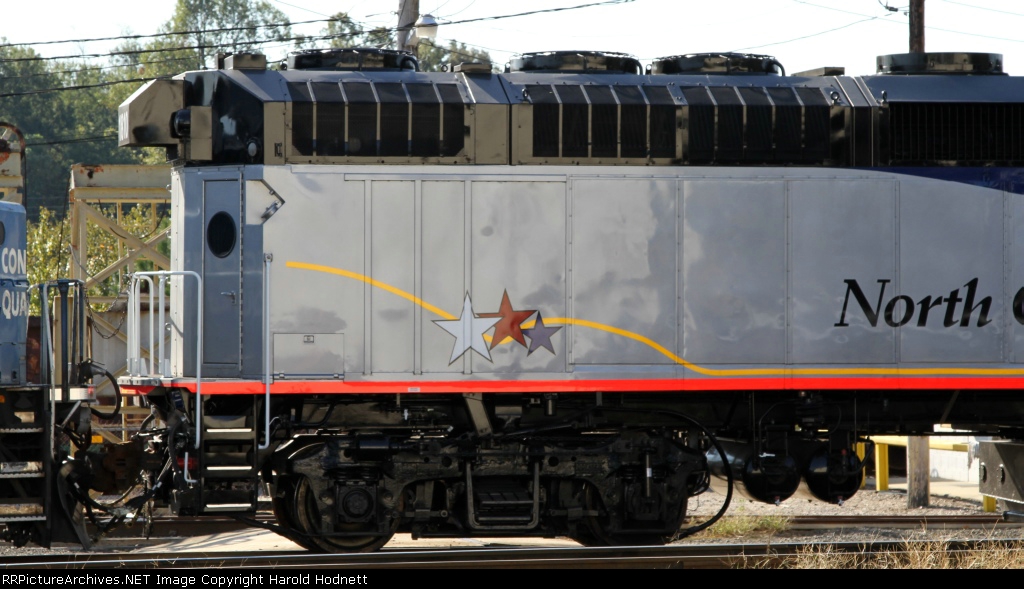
pixel 565 299
pixel 43 409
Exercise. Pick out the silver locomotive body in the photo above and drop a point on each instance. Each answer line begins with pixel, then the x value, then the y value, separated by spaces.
pixel 635 279
pixel 564 299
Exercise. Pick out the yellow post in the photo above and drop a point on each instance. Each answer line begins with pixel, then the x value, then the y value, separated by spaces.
pixel 881 467
pixel 988 504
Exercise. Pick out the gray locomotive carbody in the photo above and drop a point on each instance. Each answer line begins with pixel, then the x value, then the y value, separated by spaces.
pixel 564 299
pixel 643 278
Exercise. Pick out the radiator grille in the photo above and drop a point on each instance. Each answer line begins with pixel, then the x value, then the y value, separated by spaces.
pixel 377 119
pixel 601 121
pixel 956 134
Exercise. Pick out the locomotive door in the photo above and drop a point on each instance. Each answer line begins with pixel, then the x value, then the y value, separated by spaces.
pixel 222 287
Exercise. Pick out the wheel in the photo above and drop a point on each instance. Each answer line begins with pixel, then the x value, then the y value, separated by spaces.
pixel 303 512
pixel 283 504
pixel 584 532
pixel 586 537
pixel 606 529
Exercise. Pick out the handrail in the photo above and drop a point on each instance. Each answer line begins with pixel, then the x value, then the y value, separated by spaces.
pixel 135 365
pixel 134 335
pixel 46 353
pixel 267 377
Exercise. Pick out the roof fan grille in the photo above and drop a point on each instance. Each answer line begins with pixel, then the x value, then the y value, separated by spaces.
pixel 718 63
pixel 352 59
pixel 957 63
pixel 575 61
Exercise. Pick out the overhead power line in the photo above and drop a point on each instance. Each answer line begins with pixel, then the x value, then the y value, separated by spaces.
pixel 250 43
pixel 96 69
pixel 903 23
pixel 72 140
pixel 847 25
pixel 542 11
pixel 183 48
pixel 168 34
pixel 983 8
pixel 268 26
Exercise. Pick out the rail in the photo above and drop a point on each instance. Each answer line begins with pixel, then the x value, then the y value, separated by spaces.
pixel 267 377
pixel 159 361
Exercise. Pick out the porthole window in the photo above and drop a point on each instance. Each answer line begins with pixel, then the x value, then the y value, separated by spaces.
pixel 3 232
pixel 221 235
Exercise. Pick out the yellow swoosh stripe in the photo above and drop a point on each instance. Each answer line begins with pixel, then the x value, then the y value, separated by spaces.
pixel 375 283
pixel 668 353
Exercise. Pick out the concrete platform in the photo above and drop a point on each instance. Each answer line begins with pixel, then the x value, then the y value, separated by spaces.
pixel 961 489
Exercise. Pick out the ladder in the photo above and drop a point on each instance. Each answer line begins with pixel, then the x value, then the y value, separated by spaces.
pixel 228 459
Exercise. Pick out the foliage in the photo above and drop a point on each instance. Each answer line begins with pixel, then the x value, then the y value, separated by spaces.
pixel 47 258
pixel 434 58
pixel 200 29
pixel 67 111
pixel 343 32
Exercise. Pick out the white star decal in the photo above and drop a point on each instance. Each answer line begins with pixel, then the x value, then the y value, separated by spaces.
pixel 468 331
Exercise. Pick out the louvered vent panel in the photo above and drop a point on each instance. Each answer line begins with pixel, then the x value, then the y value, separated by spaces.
pixel 956 134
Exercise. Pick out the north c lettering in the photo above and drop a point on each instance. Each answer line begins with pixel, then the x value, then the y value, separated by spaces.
pixel 1018 306
pixel 901 310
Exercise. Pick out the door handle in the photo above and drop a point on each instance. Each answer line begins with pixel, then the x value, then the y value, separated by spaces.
pixel 230 294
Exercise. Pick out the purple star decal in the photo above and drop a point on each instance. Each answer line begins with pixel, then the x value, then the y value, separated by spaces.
pixel 540 335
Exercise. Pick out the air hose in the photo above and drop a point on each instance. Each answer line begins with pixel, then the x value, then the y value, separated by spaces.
pixel 87 370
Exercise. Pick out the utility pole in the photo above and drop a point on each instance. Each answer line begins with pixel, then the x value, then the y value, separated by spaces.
pixel 917 26
pixel 408 12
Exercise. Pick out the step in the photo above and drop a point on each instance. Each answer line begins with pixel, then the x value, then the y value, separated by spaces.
pixel 18 519
pixel 229 472
pixel 229 508
pixel 224 421
pixel 504 498
pixel 21 430
pixel 504 519
pixel 20 469
pixel 241 434
pixel 17 509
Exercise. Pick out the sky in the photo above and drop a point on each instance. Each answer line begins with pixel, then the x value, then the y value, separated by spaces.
pixel 801 34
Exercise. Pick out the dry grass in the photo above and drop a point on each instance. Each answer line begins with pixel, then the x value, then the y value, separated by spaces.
pixel 914 555
pixel 738 526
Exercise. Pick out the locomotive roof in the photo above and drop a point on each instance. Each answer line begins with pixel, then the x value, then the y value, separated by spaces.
pixel 479 85
pixel 273 86
pixel 595 108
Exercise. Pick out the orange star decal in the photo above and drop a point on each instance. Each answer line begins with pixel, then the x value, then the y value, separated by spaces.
pixel 509 325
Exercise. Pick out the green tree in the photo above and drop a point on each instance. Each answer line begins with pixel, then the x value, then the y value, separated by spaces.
pixel 435 58
pixel 50 258
pixel 46 255
pixel 343 32
pixel 66 109
pixel 200 29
